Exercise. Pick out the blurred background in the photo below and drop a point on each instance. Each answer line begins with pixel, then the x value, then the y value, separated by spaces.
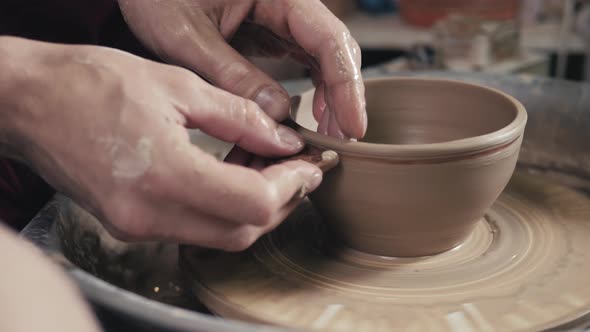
pixel 540 37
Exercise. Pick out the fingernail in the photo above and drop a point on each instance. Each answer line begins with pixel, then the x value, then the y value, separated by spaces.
pixel 334 128
pixel 290 137
pixel 274 102
pixel 365 122
pixel 313 178
pixel 324 122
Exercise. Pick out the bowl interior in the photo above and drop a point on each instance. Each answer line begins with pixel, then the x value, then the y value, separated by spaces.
pixel 415 111
pixel 423 112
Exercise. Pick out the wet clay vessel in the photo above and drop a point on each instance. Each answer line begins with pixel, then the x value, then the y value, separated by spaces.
pixel 436 155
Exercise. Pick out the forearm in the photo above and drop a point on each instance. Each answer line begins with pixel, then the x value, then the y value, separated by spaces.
pixel 17 59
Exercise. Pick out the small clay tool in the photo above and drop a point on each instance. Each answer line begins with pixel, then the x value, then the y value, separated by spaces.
pixel 322 158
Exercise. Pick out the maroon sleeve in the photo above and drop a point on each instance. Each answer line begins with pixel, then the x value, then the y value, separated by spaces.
pixel 67 21
pixel 22 193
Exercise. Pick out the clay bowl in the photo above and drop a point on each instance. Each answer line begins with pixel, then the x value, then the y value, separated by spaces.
pixel 436 155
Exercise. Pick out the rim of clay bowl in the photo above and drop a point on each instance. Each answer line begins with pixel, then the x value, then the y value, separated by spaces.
pixel 453 149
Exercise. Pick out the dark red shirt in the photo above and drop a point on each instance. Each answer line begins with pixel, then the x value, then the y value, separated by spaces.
pixel 23 193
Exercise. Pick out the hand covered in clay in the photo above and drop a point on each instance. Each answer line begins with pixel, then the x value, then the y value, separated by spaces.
pixel 108 129
pixel 210 37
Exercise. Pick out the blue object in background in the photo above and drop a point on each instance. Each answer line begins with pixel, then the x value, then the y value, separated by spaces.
pixel 378 6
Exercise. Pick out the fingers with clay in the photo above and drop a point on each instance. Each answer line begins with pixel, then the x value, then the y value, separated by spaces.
pixel 209 203
pixel 117 144
pixel 197 34
pixel 259 200
pixel 339 103
pixel 237 120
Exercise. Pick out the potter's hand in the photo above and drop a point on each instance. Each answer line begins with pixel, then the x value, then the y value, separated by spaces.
pixel 108 129
pixel 195 34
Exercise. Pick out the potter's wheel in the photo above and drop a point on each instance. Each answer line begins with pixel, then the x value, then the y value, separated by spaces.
pixel 524 267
